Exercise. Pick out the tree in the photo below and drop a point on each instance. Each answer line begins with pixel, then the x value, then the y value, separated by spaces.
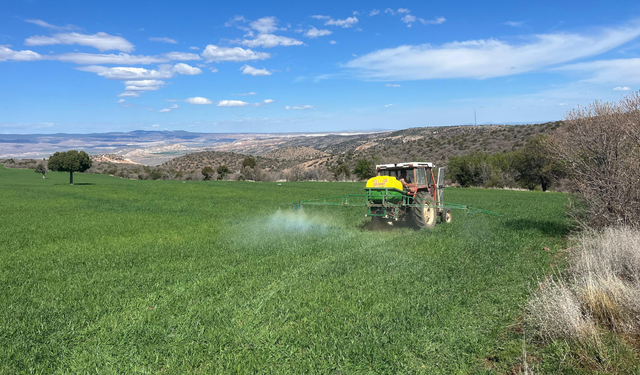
pixel 364 169
pixel 207 172
pixel 249 162
pixel 69 161
pixel 340 170
pixel 223 170
pixel 537 166
pixel 41 168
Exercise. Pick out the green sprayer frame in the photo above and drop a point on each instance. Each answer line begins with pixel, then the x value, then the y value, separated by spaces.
pixel 363 200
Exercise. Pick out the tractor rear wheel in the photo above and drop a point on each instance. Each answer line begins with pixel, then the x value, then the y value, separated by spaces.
pixel 424 214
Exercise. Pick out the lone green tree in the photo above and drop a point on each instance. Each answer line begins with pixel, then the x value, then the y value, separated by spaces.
pixel 69 161
pixel 41 168
pixel 207 172
pixel 223 170
pixel 364 169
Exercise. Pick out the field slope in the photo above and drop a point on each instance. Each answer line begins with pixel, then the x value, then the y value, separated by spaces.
pixel 120 276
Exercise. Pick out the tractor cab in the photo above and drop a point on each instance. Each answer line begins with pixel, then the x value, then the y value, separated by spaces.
pixel 414 176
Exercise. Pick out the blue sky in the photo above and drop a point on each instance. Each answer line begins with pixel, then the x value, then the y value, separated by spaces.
pixel 255 66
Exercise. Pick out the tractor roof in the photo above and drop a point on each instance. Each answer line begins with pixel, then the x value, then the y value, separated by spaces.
pixel 405 165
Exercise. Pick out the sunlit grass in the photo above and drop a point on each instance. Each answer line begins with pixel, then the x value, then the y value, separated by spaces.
pixel 164 276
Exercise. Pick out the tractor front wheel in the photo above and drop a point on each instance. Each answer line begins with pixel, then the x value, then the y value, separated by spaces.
pixel 446 215
pixel 424 213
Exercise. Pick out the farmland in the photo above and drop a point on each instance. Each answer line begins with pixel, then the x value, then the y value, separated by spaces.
pixel 123 276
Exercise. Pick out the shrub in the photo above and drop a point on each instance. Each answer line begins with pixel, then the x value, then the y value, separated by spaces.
pixel 600 145
pixel 207 172
pixel 223 170
pixel 365 169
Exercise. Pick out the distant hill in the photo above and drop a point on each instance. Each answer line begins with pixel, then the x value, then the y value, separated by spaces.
pixel 434 144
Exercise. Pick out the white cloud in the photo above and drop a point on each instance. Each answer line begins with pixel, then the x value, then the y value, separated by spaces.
pixel 142 88
pixel 318 17
pixel 185 69
pixel 237 54
pixel 403 10
pixel 248 93
pixel 392 85
pixel 408 19
pixel 198 100
pixel 145 82
pixel 232 103
pixel 349 22
pixel 314 33
pixel 617 71
pixel 270 40
pixel 235 20
pixel 264 102
pixel 246 69
pixel 128 73
pixel 390 11
pixel 622 88
pixel 194 48
pixel 388 105
pixel 333 42
pixel 101 41
pixel 174 106
pixel 435 21
pixel 514 23
pixel 120 101
pixel 486 58
pixel 122 58
pixel 374 12
pixel 265 25
pixel 182 56
pixel 129 95
pixel 50 26
pixel 306 106
pixel 214 70
pixel 165 110
pixel 7 54
pixel 164 40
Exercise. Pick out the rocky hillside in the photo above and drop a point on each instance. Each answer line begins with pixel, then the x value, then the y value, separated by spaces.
pixel 198 160
pixel 434 144
pixel 296 153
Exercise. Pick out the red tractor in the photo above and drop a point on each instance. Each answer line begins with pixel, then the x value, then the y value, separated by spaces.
pixel 407 192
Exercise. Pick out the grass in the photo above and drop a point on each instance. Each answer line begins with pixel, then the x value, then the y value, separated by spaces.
pixel 119 276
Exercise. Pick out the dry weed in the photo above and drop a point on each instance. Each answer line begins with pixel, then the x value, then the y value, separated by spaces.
pixel 601 290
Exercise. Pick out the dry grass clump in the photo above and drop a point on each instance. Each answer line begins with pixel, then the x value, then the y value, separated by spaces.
pixel 601 290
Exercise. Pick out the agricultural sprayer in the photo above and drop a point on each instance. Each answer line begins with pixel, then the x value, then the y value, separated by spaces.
pixel 403 193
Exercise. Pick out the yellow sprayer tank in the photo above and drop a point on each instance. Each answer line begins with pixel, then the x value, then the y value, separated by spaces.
pixel 379 186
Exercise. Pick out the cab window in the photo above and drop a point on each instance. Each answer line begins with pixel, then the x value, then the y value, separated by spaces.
pixel 421 177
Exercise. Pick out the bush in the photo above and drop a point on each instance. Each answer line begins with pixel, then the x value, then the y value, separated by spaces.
pixel 600 145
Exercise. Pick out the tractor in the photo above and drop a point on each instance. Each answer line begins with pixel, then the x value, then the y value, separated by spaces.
pixel 403 193
pixel 407 192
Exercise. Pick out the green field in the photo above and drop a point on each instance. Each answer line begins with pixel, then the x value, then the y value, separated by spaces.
pixel 120 276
